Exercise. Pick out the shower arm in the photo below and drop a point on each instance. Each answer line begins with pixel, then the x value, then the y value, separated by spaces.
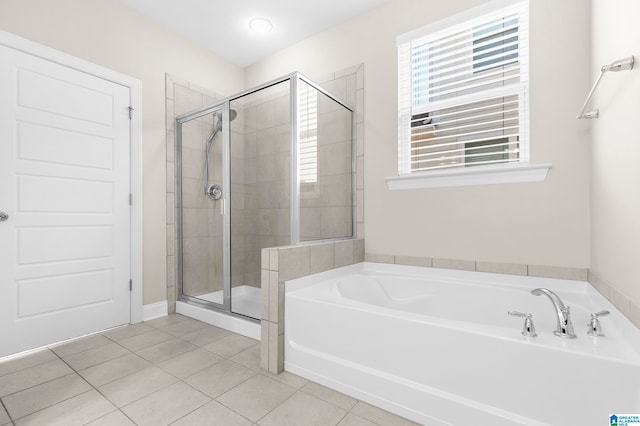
pixel 619 65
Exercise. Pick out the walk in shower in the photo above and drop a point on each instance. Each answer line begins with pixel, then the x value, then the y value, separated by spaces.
pixel 271 166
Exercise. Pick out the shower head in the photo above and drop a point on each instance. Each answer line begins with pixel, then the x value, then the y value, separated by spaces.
pixel 620 65
pixel 232 115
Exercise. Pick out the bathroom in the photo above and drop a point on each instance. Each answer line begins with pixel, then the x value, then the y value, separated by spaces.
pixel 579 223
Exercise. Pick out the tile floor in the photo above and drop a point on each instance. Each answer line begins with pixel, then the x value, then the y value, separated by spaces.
pixel 172 370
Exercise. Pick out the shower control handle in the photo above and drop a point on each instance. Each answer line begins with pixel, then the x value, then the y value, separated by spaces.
pixel 214 192
pixel 594 328
pixel 528 330
pixel 3 216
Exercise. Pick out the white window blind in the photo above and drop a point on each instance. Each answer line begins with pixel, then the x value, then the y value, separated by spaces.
pixel 308 137
pixel 463 93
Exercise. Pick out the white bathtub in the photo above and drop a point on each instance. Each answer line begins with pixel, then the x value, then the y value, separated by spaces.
pixel 437 346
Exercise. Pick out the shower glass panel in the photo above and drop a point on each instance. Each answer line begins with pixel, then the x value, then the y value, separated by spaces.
pixel 260 188
pixel 325 166
pixel 272 166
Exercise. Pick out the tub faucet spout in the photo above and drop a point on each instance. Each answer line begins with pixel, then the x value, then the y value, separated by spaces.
pixel 565 327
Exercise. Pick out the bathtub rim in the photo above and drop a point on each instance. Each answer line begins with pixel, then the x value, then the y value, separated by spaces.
pixel 627 330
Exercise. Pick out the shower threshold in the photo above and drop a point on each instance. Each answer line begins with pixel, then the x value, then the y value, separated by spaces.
pixel 246 300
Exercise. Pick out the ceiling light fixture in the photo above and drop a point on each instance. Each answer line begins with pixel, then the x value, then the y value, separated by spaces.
pixel 260 25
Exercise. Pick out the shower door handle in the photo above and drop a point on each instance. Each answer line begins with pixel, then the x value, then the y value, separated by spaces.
pixel 3 216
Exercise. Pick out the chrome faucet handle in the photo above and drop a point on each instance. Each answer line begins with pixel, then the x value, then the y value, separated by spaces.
pixel 528 329
pixel 594 328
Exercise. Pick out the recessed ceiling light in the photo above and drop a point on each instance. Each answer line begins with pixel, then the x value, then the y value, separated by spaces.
pixel 260 25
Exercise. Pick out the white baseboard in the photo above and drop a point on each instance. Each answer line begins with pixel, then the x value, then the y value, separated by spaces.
pixel 155 310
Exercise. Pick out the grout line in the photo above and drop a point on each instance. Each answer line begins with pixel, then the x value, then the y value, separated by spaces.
pixel 102 394
pixel 274 408
pixel 52 405
pixel 6 411
pixel 38 384
pixel 29 353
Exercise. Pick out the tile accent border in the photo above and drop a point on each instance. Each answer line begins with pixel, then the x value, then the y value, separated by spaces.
pixel 280 264
pixel 559 272
pixel 624 303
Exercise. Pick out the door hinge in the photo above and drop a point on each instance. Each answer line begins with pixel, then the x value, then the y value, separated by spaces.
pixel 130 199
pixel 130 112
pixel 130 285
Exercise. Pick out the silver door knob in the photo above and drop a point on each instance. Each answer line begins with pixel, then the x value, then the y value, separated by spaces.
pixel 3 216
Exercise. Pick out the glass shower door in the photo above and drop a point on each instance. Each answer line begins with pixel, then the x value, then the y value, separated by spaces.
pixel 201 220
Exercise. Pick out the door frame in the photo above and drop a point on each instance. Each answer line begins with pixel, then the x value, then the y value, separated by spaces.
pixel 135 169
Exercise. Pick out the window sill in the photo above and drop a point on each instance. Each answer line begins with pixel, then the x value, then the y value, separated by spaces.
pixel 511 173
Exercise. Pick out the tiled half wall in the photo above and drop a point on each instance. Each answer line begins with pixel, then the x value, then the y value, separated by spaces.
pixel 280 264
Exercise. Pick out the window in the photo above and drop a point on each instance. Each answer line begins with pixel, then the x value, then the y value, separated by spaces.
pixel 463 92
pixel 308 137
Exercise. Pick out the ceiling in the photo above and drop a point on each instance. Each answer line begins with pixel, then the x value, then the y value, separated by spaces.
pixel 223 26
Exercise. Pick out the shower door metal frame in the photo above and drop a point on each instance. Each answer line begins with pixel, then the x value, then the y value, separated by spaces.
pixel 224 106
pixel 225 306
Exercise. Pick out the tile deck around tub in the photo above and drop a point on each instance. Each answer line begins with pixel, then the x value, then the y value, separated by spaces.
pixel 173 370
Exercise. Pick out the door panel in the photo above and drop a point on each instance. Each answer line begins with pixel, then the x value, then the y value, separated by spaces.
pixel 64 182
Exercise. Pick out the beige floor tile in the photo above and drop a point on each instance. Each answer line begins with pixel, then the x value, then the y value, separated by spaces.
pixel 183 327
pixel 4 417
pixel 165 406
pixel 23 379
pixel 166 320
pixel 80 345
pixel 114 369
pixel 166 350
pixel 190 363
pixel 204 336
pixel 213 414
pixel 26 361
pixel 353 420
pixel 145 340
pixel 288 379
pixel 44 395
pixel 230 345
pixel 250 358
pixel 95 356
pixel 379 416
pixel 304 409
pixel 256 397
pixel 78 410
pixel 114 418
pixel 127 331
pixel 333 397
pixel 219 378
pixel 131 388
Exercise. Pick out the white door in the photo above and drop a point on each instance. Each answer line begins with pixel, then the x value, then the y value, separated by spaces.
pixel 64 184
